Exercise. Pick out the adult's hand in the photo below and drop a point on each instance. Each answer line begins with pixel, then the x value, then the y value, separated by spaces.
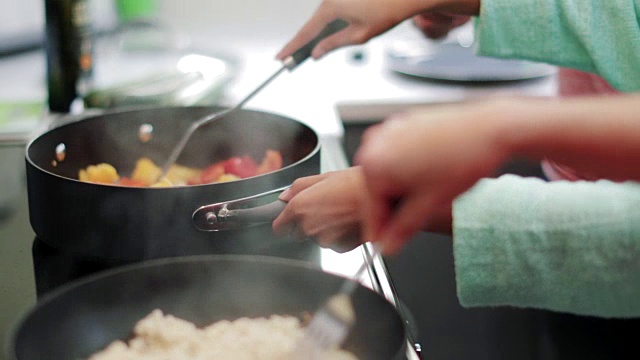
pixel 437 25
pixel 416 163
pixel 325 208
pixel 421 160
pixel 366 18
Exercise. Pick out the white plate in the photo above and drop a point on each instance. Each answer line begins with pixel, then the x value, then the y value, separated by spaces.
pixel 452 62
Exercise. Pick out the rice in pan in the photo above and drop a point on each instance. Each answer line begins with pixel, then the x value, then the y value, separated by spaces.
pixel 165 337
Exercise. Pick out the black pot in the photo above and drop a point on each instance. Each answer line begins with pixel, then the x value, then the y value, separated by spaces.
pixel 128 223
pixel 83 317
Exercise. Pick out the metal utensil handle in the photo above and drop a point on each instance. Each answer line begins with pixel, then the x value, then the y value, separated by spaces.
pixel 289 63
pixel 304 52
pixel 351 284
pixel 259 214
pixel 238 213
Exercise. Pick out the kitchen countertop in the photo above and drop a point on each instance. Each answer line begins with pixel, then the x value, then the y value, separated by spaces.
pixel 354 84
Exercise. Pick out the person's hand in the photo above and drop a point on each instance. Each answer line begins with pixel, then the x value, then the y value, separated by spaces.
pixel 325 208
pixel 416 163
pixel 437 25
pixel 366 18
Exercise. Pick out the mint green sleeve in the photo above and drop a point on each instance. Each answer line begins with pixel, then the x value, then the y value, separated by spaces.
pixel 562 246
pixel 598 36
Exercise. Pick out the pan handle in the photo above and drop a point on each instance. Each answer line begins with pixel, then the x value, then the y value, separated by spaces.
pixel 238 213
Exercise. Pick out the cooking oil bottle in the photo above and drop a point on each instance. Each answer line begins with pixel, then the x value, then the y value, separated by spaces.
pixel 69 53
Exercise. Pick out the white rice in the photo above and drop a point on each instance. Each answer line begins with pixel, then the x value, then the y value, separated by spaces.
pixel 165 337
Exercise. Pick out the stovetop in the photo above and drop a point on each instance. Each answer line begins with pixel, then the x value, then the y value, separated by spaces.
pixel 36 268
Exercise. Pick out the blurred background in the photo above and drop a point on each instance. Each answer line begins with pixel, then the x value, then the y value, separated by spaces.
pixel 210 52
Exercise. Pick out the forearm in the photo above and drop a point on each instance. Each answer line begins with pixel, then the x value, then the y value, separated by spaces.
pixel 571 247
pixel 402 10
pixel 460 7
pixel 596 136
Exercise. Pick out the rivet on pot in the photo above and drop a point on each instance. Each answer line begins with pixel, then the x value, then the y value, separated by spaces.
pixel 145 133
pixel 61 152
pixel 211 218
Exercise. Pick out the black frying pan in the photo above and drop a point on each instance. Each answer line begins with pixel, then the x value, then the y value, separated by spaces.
pixel 83 317
pixel 131 224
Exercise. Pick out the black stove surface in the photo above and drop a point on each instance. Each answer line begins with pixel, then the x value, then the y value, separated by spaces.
pixel 53 267
pixel 423 274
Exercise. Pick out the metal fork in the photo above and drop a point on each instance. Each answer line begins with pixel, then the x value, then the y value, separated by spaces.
pixel 331 323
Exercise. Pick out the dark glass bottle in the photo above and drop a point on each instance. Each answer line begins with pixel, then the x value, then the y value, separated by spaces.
pixel 69 52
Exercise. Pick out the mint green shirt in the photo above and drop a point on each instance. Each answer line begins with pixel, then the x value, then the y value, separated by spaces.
pixel 597 36
pixel 570 247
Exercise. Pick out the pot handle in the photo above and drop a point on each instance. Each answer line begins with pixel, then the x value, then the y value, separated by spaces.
pixel 237 214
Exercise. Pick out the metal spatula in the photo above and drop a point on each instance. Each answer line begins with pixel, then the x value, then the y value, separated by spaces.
pixel 289 63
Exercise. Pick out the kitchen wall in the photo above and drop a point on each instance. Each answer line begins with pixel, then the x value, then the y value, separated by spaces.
pixel 20 16
pixel 265 16
pixel 233 26
pixel 22 22
pixel 238 26
pixel 259 18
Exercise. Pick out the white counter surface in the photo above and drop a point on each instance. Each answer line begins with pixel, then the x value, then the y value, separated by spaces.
pixel 339 89
pixel 321 93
